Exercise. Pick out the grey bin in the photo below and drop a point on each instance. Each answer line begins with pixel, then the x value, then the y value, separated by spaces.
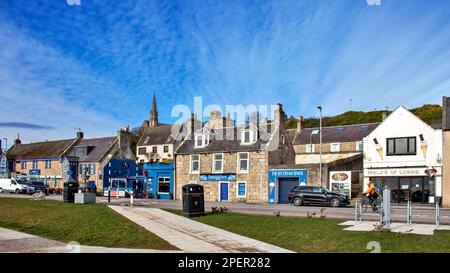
pixel 69 190
pixel 193 200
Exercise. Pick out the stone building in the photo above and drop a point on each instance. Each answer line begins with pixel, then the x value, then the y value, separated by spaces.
pixel 54 162
pixel 446 152
pixel 41 160
pixel 94 158
pixel 158 141
pixel 342 155
pixel 232 162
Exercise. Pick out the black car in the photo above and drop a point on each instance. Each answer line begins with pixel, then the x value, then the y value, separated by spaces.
pixel 33 187
pixel 315 195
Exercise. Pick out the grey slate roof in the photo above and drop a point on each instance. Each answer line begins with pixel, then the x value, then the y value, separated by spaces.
pixel 160 134
pixel 46 149
pixel 345 133
pixel 221 142
pixel 99 146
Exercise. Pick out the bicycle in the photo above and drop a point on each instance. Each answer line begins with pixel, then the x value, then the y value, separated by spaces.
pixel 366 202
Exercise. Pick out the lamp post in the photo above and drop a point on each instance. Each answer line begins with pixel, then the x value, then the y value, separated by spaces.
pixel 6 144
pixel 320 137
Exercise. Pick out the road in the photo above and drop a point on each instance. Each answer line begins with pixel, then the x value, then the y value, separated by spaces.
pixel 421 214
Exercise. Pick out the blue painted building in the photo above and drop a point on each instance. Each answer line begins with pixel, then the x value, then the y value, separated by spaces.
pixel 281 182
pixel 160 178
pixel 121 170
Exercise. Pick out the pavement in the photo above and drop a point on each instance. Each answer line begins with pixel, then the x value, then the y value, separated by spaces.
pixel 19 242
pixel 421 229
pixel 192 236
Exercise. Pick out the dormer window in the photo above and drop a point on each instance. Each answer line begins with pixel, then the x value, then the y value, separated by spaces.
pixel 81 151
pixel 201 140
pixel 248 136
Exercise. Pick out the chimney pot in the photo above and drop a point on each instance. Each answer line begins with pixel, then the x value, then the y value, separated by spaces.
pixel 80 135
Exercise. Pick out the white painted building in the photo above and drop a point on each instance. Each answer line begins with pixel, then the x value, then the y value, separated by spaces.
pixel 405 153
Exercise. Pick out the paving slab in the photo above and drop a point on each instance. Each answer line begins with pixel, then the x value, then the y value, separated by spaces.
pixel 193 236
pixel 420 229
pixel 19 242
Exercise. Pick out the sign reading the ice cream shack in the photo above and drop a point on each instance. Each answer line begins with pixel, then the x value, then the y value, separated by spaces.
pixel 398 172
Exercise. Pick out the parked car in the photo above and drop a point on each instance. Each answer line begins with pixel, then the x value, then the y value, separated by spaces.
pixel 315 195
pixel 34 187
pixel 13 185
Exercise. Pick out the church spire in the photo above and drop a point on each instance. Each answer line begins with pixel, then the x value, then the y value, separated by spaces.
pixel 153 120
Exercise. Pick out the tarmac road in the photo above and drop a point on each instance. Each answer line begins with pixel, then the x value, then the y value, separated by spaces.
pixel 421 214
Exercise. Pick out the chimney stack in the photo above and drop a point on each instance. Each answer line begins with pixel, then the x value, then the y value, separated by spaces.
pixel 80 135
pixel 124 142
pixel 17 141
pixel 445 113
pixel 384 115
pixel 300 123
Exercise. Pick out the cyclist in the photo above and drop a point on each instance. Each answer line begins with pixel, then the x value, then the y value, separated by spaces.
pixel 372 194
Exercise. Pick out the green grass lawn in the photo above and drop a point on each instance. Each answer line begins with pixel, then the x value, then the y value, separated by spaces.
pixel 94 225
pixel 322 235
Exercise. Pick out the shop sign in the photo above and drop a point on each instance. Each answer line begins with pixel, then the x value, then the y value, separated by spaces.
pixel 35 172
pixel 400 172
pixel 3 165
pixel 218 177
pixel 341 182
pixel 287 173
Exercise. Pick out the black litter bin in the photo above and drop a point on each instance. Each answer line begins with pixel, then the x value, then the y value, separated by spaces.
pixel 69 190
pixel 193 200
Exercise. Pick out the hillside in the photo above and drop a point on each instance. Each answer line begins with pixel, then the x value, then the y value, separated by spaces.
pixel 430 113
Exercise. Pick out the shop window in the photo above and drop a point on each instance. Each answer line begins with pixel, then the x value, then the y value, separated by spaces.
pixel 142 151
pixel 243 162
pixel 163 184
pixel 195 163
pixel 401 146
pixel 242 189
pixel 217 162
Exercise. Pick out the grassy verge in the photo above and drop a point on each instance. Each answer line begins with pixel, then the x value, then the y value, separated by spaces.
pixel 94 225
pixel 322 235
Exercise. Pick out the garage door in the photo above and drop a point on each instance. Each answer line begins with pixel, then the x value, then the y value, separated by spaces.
pixel 285 185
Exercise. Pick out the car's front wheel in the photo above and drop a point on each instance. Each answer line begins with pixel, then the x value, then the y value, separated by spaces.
pixel 335 202
pixel 17 191
pixel 298 201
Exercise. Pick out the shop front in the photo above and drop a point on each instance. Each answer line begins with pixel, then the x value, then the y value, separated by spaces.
pixel 418 185
pixel 281 182
pixel 159 180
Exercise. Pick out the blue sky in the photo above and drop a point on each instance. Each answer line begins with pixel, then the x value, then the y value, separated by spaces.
pixel 95 66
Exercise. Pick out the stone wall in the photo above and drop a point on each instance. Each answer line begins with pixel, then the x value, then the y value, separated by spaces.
pixel 446 169
pixel 256 177
pixel 55 170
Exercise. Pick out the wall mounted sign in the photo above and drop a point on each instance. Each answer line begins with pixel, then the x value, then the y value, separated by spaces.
pixel 35 172
pixel 217 177
pixel 401 172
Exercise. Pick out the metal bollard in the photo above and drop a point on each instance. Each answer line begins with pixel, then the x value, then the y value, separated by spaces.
pixel 109 195
pixel 409 213
pixel 438 215
pixel 131 199
pixel 356 213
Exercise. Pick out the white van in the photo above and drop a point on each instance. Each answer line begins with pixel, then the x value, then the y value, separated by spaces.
pixel 12 185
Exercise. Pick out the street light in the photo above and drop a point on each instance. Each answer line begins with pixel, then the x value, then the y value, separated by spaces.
pixel 320 136
pixel 6 144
